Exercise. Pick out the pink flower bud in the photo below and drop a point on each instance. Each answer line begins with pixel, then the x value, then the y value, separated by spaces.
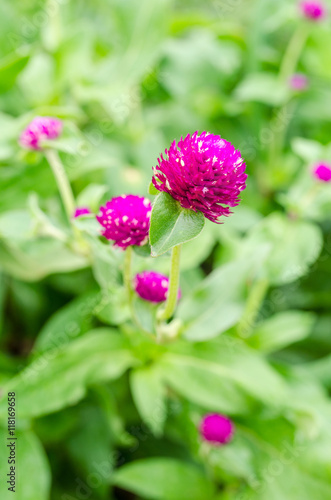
pixel 203 173
pixel 299 82
pixel 152 286
pixel 125 220
pixel 81 211
pixel 41 128
pixel 315 11
pixel 216 429
pixel 322 172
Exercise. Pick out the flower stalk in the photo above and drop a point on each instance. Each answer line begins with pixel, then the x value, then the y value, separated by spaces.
pixel 62 182
pixel 127 273
pixel 170 306
pixel 255 298
pixel 293 52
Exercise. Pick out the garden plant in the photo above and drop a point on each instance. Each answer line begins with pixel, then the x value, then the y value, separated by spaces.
pixel 165 250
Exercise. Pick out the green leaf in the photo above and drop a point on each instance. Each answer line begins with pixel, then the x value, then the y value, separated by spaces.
pixel 321 369
pixel 71 321
pixel 148 392
pixel 235 459
pixel 36 259
pixel 225 360
pixel 292 482
pixel 152 189
pixel 196 251
pixel 172 225
pixel 249 369
pixel 3 290
pixel 90 443
pixel 146 313
pixel 307 149
pixel 91 196
pixel 294 246
pixel 262 87
pixel 33 476
pixel 113 308
pixel 16 225
pixel 214 321
pixel 217 303
pixel 142 251
pixel 105 264
pixel 164 479
pixel 194 63
pixel 10 68
pixel 64 374
pixel 281 330
pixel 88 224
pixel 37 80
pixel 207 384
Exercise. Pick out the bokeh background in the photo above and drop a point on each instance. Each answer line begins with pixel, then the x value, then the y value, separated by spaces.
pixel 128 77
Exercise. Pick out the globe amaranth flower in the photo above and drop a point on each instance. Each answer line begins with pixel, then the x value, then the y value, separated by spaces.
pixel 125 220
pixel 203 173
pixel 298 82
pixel 314 11
pixel 81 211
pixel 216 429
pixel 41 128
pixel 322 172
pixel 152 286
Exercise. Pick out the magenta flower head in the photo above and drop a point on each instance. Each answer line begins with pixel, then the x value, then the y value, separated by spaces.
pixel 125 220
pixel 315 11
pixel 299 82
pixel 81 211
pixel 41 128
pixel 203 173
pixel 216 429
pixel 322 172
pixel 152 286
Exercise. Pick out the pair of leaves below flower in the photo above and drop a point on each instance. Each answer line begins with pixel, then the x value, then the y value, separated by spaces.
pixel 172 225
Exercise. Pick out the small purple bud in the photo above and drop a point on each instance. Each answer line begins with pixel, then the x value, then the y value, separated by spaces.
pixel 152 286
pixel 322 172
pixel 216 429
pixel 315 11
pixel 81 211
pixel 299 82
pixel 41 128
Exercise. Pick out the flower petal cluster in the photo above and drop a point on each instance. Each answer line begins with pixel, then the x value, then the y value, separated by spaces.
pixel 322 172
pixel 41 128
pixel 314 11
pixel 216 429
pixel 203 173
pixel 125 220
pixel 81 211
pixel 152 286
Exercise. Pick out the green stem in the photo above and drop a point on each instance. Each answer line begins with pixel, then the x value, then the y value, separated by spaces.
pixel 279 127
pixel 287 68
pixel 293 52
pixel 171 303
pixel 61 181
pixel 127 273
pixel 256 296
